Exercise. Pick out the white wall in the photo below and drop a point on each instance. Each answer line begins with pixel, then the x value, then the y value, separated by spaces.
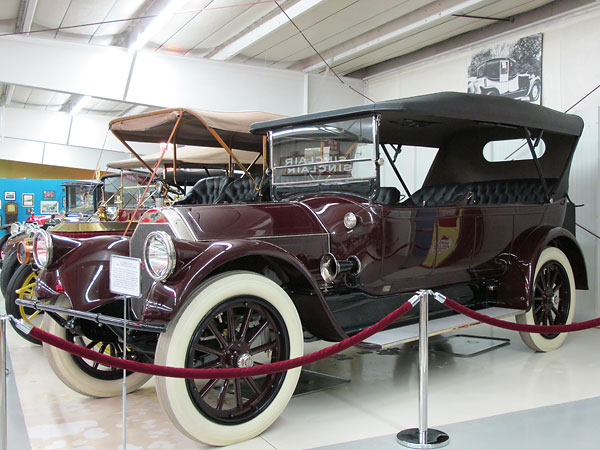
pixel 583 189
pixel 570 69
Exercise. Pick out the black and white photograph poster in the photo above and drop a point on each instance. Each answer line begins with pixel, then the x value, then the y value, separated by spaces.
pixel 511 69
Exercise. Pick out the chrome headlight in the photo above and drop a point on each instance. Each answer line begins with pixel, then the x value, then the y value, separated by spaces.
pixel 15 228
pixel 159 255
pixel 42 248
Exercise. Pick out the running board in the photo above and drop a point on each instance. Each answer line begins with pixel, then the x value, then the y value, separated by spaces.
pixel 401 335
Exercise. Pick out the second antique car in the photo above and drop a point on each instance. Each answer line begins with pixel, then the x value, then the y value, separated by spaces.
pixel 500 76
pixel 239 273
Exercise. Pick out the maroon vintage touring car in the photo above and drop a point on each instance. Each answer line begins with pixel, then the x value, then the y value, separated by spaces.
pixel 242 269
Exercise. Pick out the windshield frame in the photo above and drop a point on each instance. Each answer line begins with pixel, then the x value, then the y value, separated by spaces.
pixel 333 186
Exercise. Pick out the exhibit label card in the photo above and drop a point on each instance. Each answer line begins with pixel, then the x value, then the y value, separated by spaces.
pixel 125 275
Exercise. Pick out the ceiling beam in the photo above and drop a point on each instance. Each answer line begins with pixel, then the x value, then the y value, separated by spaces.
pixel 250 36
pixel 26 13
pixel 149 78
pixel 391 31
pixel 24 22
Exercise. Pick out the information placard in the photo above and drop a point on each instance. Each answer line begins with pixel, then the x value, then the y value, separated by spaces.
pixel 125 275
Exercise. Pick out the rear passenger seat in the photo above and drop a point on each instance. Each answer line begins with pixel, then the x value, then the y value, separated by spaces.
pixel 243 190
pixel 482 193
pixel 206 191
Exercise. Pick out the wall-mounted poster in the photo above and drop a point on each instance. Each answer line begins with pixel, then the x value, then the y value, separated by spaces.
pixel 29 211
pixel 48 207
pixel 512 69
pixel 48 195
pixel 28 200
pixel 10 196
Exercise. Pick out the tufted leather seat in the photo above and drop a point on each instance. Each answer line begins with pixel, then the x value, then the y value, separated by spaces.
pixel 206 191
pixel 482 193
pixel 387 196
pixel 511 191
pixel 243 190
pixel 439 195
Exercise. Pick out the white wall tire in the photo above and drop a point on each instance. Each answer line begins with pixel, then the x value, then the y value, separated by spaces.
pixel 73 375
pixel 554 305
pixel 233 298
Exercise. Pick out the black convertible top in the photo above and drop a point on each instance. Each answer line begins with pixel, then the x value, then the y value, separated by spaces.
pixel 446 112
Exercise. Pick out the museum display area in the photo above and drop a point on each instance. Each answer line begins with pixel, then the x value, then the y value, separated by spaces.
pixel 299 224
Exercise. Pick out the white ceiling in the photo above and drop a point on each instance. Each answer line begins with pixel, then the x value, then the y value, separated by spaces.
pixel 350 34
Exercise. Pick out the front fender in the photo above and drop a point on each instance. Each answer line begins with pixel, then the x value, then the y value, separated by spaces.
pixel 515 289
pixel 82 274
pixel 165 299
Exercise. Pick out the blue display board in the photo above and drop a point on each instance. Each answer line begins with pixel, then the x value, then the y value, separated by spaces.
pixel 37 196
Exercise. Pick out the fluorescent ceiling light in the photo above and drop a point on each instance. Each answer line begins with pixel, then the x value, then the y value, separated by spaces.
pixel 393 34
pixel 269 26
pixel 156 24
pixel 80 105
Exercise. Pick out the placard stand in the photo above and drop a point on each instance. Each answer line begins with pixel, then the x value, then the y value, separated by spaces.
pixel 423 437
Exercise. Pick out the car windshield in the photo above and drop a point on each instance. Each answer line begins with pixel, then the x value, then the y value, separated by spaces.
pixel 80 199
pixel 133 188
pixel 324 154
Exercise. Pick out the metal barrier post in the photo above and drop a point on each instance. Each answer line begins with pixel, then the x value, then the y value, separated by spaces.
pixel 3 369
pixel 423 437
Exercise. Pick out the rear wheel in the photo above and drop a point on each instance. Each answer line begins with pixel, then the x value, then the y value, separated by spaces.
pixel 83 375
pixel 21 286
pixel 534 94
pixel 236 319
pixel 553 300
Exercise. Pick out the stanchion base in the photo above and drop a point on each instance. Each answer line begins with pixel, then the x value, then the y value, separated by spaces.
pixel 410 438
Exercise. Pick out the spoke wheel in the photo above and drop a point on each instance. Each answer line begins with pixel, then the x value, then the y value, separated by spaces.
pixel 86 376
pixel 236 319
pixel 553 300
pixel 21 287
pixel 241 332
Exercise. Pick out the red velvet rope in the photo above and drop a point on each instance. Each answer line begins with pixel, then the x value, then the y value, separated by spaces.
pixel 178 372
pixel 280 366
pixel 541 329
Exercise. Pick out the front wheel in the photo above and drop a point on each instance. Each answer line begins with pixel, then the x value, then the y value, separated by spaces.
pixel 236 319
pixel 85 376
pixel 21 287
pixel 553 301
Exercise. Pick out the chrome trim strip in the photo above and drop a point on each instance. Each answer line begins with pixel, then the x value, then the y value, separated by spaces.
pixel 287 236
pixel 94 317
pixel 178 224
pixel 322 224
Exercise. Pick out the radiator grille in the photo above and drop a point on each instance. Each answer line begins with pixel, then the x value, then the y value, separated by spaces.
pixel 136 248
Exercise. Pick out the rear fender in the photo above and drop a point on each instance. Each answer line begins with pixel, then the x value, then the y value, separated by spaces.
pixel 165 299
pixel 516 285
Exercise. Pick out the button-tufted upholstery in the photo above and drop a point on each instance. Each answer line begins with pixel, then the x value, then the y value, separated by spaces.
pixel 388 196
pixel 206 191
pixel 482 193
pixel 243 190
pixel 512 191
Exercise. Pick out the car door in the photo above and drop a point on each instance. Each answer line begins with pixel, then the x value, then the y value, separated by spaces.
pixel 494 231
pixel 425 246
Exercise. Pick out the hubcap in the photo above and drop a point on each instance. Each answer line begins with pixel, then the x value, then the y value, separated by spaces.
pixel 245 360
pixel 551 296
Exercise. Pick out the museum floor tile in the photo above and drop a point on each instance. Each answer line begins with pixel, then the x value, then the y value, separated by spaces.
pixel 380 400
